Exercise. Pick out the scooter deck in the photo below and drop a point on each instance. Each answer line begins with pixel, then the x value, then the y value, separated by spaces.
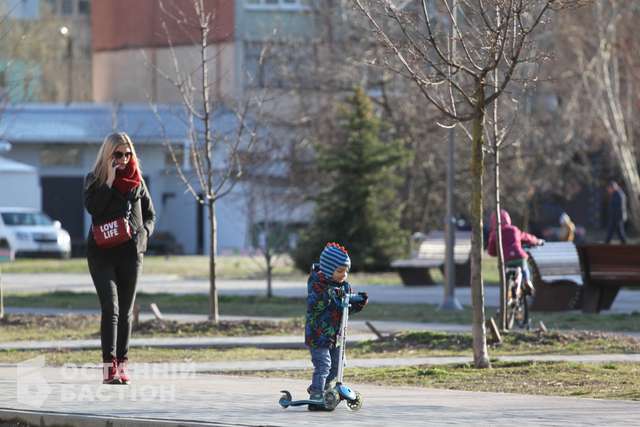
pixel 285 403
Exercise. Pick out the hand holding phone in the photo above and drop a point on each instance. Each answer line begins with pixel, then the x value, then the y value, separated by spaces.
pixel 111 173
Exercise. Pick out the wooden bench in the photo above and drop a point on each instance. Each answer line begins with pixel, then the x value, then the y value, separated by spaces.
pixel 430 253
pixel 556 276
pixel 606 268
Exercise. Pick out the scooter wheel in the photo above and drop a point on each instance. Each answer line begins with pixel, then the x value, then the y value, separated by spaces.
pixel 285 399
pixel 356 403
pixel 331 399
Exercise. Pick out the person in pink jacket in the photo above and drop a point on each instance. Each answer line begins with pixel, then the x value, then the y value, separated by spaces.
pixel 512 240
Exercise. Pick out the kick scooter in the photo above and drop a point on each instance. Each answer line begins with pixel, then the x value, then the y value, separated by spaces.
pixel 340 391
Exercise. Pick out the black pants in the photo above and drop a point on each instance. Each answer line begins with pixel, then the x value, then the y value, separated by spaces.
pixel 618 228
pixel 115 275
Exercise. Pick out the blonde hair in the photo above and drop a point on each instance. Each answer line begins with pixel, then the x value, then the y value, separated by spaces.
pixel 103 159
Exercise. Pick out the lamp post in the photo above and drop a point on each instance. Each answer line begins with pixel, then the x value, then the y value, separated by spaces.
pixel 66 33
pixel 450 302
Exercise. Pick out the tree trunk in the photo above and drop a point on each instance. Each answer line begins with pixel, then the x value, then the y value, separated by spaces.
pixel 627 162
pixel 213 291
pixel 268 259
pixel 498 225
pixel 1 296
pixel 480 352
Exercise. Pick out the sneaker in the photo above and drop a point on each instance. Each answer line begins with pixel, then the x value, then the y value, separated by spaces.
pixel 123 371
pixel 316 396
pixel 110 372
pixel 528 288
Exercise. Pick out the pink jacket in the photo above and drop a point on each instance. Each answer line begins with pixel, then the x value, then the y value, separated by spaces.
pixel 512 238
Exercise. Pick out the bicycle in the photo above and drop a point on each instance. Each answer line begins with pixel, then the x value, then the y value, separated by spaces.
pixel 517 306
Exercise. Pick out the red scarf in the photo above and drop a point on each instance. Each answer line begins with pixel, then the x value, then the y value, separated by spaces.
pixel 128 178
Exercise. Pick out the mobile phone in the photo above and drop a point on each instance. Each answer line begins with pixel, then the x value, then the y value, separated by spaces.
pixel 113 164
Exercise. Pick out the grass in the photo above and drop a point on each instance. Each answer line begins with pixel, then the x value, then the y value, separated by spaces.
pixel 156 355
pixel 597 380
pixel 230 267
pixel 603 381
pixel 405 344
pixel 20 327
pixel 227 267
pixel 295 307
pixel 425 344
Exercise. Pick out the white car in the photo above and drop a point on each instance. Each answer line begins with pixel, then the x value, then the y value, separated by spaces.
pixel 32 233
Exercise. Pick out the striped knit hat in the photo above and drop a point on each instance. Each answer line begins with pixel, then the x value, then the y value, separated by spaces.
pixel 333 256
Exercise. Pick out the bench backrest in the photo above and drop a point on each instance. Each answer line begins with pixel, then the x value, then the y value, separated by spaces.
pixel 556 261
pixel 617 265
pixel 434 245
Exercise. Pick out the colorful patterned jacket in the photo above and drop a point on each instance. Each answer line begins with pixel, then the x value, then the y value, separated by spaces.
pixel 323 310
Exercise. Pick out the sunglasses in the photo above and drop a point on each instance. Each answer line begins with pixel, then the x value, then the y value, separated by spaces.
pixel 119 154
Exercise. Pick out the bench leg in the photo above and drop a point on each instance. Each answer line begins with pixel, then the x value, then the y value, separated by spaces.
pixel 591 299
pixel 415 276
pixel 607 297
pixel 597 298
pixel 463 274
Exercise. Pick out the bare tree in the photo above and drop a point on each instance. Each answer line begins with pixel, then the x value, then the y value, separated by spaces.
pixel 275 205
pixel 608 84
pixel 215 153
pixel 495 38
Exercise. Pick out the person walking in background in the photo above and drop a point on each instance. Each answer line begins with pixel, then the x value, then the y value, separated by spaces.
pixel 616 212
pixel 122 218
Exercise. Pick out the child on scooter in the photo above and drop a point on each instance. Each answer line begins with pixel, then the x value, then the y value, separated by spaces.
pixel 326 284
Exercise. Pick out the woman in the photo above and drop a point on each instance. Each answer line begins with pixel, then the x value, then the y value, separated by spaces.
pixel 118 200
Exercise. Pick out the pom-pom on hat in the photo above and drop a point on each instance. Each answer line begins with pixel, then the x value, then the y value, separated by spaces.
pixel 333 256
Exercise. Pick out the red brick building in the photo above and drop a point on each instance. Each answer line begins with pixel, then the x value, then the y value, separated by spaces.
pixel 131 48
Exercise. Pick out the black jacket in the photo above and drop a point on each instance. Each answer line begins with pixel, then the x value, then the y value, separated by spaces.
pixel 104 204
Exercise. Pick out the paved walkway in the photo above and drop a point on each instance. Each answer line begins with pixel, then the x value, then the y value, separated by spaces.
pixel 628 300
pixel 44 395
pixel 143 369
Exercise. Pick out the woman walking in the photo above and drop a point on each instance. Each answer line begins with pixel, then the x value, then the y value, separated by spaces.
pixel 122 216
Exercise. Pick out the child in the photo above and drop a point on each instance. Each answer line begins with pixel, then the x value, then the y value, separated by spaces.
pixel 326 282
pixel 512 240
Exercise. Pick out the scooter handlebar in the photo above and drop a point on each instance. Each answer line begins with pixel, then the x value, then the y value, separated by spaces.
pixel 356 298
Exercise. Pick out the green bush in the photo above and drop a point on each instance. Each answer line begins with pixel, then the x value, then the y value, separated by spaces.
pixel 356 202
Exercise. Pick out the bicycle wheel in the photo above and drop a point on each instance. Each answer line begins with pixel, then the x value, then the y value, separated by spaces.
pixel 511 305
pixel 522 317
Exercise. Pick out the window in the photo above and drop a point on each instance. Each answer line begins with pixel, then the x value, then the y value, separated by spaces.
pixel 52 6
pixel 60 157
pixel 25 218
pixel 84 7
pixel 283 66
pixel 67 7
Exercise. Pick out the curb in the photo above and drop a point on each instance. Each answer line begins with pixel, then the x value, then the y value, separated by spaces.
pixel 259 341
pixel 26 418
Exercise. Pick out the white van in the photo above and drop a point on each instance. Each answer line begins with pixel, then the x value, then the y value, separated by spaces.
pixel 32 233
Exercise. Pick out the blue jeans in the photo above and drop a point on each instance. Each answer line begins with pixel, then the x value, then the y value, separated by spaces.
pixel 325 367
pixel 524 265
